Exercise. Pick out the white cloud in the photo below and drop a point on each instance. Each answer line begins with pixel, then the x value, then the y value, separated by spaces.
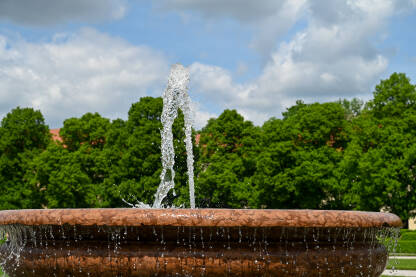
pixel 334 56
pixel 45 12
pixel 200 115
pixel 217 85
pixel 271 19
pixel 242 68
pixel 269 30
pixel 84 72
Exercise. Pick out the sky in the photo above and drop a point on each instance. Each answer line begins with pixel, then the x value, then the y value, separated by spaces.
pixel 67 58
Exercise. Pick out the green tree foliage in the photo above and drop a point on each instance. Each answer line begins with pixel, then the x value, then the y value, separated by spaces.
pixel 88 130
pixel 393 97
pixel 23 129
pixel 61 178
pixel 380 161
pixel 227 161
pixel 301 152
pixel 23 135
pixel 69 173
pixel 352 108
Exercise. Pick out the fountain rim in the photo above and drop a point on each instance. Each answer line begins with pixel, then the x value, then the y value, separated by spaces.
pixel 200 218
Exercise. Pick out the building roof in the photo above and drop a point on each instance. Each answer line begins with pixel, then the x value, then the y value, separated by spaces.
pixel 55 134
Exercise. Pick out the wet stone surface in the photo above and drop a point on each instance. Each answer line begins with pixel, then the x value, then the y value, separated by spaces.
pixel 200 242
pixel 193 251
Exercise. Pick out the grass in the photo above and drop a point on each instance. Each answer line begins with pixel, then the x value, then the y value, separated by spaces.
pixel 2 274
pixel 408 235
pixel 402 264
pixel 406 244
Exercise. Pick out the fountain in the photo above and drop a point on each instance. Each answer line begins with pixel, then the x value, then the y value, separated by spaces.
pixel 193 242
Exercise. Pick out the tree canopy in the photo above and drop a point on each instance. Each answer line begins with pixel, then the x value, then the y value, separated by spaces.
pixel 23 136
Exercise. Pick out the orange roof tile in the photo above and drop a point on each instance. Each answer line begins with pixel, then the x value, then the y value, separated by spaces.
pixel 55 134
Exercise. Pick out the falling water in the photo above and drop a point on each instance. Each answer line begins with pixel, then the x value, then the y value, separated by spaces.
pixel 175 97
pixel 195 248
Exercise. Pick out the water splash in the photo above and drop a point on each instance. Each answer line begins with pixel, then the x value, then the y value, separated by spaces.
pixel 175 97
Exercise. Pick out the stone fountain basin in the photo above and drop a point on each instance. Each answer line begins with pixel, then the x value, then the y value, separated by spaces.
pixel 194 242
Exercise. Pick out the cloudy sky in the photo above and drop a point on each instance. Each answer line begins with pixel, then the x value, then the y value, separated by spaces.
pixel 67 58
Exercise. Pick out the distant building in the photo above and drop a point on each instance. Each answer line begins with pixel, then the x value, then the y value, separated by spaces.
pixel 412 223
pixel 55 134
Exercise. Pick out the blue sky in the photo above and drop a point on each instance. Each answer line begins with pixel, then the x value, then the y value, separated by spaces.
pixel 67 58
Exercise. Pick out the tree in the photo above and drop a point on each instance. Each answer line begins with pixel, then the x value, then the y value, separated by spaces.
pixel 23 129
pixel 60 178
pixel 227 151
pixel 23 135
pixel 380 160
pixel 296 168
pixel 352 108
pixel 67 174
pixel 89 129
pixel 393 96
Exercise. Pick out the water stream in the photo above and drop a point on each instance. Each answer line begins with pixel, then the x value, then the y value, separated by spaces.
pixel 175 97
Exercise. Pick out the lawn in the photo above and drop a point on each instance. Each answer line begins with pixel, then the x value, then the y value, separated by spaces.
pixel 407 242
pixel 402 264
pixel 406 246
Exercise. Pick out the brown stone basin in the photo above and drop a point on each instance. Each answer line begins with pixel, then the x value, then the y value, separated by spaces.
pixel 199 242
